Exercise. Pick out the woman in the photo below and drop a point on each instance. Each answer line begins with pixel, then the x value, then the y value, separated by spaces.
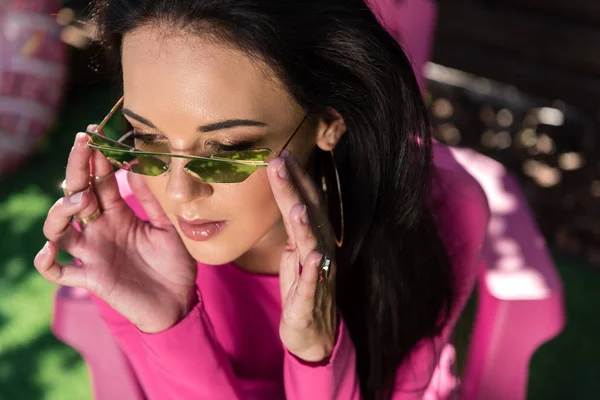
pixel 319 276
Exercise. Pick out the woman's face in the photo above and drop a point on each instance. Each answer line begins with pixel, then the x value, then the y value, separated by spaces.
pixel 185 94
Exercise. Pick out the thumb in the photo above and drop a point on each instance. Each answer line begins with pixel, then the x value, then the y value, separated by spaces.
pixel 65 275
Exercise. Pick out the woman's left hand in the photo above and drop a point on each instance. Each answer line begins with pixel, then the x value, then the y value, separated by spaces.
pixel 309 318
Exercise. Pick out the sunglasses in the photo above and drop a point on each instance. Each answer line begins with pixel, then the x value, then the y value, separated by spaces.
pixel 224 167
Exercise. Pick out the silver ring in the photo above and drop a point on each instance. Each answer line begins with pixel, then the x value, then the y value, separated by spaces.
pixel 324 268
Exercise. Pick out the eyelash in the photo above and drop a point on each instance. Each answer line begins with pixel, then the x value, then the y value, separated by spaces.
pixel 149 139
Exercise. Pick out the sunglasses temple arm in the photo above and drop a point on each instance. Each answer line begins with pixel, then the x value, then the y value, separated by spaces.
pixel 125 136
pixel 289 139
pixel 110 114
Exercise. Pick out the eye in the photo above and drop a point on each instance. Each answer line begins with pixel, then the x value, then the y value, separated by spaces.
pixel 219 147
pixel 150 142
pixel 148 138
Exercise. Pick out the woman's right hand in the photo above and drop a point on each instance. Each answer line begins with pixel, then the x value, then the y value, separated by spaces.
pixel 141 269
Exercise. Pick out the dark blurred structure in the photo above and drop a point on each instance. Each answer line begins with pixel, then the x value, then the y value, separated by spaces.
pixel 543 122
pixel 547 47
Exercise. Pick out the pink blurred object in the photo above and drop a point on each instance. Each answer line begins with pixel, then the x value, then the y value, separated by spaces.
pixel 77 323
pixel 32 76
pixel 520 298
pixel 412 24
pixel 520 295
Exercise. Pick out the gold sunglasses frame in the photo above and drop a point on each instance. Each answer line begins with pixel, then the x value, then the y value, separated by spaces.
pixel 151 154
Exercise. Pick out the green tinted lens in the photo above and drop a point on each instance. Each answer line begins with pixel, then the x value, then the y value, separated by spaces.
pixel 121 156
pixel 138 163
pixel 259 155
pixel 149 165
pixel 215 171
pixel 105 142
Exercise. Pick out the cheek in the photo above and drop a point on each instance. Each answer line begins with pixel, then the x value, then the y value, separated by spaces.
pixel 250 205
pixel 255 204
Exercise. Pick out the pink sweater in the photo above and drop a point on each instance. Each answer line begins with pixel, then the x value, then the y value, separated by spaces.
pixel 228 346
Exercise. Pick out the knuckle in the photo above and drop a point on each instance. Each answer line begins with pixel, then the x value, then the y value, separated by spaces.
pixel 298 320
pixel 305 292
pixel 309 239
pixel 47 229
pixel 44 270
pixel 313 258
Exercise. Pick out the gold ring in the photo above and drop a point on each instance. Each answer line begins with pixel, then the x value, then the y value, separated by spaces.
pixel 83 222
pixel 322 224
pixel 324 268
pixel 101 178
pixel 68 192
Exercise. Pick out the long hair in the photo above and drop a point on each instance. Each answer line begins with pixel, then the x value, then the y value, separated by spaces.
pixel 394 283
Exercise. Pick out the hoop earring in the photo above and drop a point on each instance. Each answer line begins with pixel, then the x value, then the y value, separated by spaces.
pixel 339 242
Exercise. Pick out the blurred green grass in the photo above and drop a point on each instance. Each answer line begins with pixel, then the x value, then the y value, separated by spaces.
pixel 34 365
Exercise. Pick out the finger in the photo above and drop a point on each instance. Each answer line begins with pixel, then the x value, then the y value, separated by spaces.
pixel 303 301
pixel 103 177
pixel 78 168
pixel 289 272
pixel 304 236
pixel 311 195
pixel 154 211
pixel 52 271
pixel 58 227
pixel 285 193
pixel 77 176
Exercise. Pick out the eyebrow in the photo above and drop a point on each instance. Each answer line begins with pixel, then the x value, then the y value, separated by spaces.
pixel 216 126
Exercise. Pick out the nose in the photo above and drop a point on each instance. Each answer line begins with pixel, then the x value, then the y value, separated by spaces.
pixel 182 187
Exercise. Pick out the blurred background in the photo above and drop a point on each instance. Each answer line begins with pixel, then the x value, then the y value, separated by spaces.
pixel 515 80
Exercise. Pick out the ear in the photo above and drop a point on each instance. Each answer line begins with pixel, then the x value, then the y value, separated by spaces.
pixel 330 128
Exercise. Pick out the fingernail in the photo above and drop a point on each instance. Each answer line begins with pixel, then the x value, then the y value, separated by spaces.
pixel 304 216
pixel 282 171
pixel 81 139
pixel 92 128
pixel 284 154
pixel 75 198
pixel 44 250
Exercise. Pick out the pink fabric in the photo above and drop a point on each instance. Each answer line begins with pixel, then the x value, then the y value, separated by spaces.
pixel 228 346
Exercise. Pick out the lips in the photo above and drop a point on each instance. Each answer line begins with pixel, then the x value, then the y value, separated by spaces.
pixel 200 230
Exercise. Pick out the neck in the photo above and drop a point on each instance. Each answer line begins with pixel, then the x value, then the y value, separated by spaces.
pixel 265 256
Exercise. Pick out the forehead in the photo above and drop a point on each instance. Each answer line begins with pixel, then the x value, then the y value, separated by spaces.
pixel 187 75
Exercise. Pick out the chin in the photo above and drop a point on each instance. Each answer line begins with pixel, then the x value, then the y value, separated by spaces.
pixel 211 253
